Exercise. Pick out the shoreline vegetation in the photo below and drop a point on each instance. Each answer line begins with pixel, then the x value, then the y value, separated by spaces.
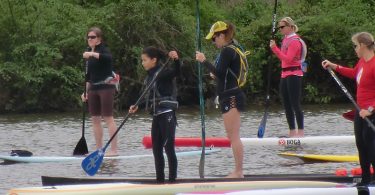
pixel 41 67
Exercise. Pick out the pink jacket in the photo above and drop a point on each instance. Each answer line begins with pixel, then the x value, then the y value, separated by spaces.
pixel 290 55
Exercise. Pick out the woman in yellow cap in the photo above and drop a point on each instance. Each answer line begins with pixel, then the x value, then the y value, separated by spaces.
pixel 232 100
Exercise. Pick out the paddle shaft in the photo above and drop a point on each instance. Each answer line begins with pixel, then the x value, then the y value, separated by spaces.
pixel 347 93
pixel 201 101
pixel 84 103
pixel 262 125
pixel 137 103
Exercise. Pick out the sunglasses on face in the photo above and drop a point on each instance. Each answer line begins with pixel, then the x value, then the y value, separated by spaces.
pixel 281 27
pixel 91 37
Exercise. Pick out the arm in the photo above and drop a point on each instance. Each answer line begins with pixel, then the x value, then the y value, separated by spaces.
pixel 345 71
pixel 293 49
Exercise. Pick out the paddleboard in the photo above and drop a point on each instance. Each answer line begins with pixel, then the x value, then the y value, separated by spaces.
pixel 44 159
pixel 270 141
pixel 311 158
pixel 165 189
pixel 342 190
pixel 338 178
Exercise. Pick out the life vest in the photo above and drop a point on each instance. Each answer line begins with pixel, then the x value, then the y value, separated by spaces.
pixel 303 53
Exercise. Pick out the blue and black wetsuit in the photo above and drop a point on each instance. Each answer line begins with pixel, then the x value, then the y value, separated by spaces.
pixel 162 98
pixel 230 94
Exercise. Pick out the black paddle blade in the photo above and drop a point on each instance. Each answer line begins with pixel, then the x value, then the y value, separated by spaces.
pixel 81 147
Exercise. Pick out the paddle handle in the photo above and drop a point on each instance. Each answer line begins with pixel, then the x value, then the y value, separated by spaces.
pixel 347 93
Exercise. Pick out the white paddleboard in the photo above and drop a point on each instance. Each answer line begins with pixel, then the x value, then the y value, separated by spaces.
pixel 165 189
pixel 43 159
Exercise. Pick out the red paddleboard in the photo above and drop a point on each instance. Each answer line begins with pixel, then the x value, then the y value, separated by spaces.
pixel 192 142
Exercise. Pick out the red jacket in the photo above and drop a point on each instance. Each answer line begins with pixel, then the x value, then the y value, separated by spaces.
pixel 364 74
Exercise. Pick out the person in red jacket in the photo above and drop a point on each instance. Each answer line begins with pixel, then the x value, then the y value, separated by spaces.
pixel 290 56
pixel 364 73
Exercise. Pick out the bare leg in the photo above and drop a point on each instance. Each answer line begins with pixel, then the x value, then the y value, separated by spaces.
pixel 232 123
pixel 112 129
pixel 98 131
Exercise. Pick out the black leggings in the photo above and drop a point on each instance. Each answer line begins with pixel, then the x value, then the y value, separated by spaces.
pixel 290 90
pixel 365 141
pixel 163 136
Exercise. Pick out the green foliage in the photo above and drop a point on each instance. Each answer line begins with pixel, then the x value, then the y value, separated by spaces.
pixel 41 66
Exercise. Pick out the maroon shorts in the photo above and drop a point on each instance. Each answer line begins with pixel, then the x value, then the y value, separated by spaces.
pixel 101 102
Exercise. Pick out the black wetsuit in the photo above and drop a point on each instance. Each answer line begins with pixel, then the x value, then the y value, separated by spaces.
pixel 162 98
pixel 365 141
pixel 230 95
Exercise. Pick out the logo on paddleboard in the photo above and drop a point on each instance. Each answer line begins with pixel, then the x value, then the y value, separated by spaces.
pixel 289 142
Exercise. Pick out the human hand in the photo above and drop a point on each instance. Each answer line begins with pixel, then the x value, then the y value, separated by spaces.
pixel 173 55
pixel 272 43
pixel 84 97
pixel 327 63
pixel 364 113
pixel 199 56
pixel 87 54
pixel 133 109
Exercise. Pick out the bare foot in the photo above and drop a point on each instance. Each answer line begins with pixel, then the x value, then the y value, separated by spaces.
pixel 300 133
pixel 111 153
pixel 293 133
pixel 235 175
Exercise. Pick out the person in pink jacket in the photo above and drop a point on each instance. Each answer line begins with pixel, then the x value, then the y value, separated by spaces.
pixel 290 55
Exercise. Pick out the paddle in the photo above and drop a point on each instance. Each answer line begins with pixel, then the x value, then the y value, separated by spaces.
pixel 81 147
pixel 201 101
pixel 343 88
pixel 349 115
pixel 262 125
pixel 92 162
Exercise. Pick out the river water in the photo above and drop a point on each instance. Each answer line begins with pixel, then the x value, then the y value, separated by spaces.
pixel 57 135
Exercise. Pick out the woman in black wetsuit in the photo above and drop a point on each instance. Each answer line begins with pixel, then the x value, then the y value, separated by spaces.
pixel 162 98
pixel 231 98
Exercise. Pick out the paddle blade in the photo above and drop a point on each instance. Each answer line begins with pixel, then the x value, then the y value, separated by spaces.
pixel 349 115
pixel 81 147
pixel 92 162
pixel 262 126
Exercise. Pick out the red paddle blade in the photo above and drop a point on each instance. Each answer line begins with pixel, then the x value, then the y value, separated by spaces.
pixel 349 115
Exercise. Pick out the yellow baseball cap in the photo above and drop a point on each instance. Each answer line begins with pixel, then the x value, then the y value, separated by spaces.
pixel 217 27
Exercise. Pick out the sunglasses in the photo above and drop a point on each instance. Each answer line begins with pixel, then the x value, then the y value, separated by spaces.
pixel 91 37
pixel 281 27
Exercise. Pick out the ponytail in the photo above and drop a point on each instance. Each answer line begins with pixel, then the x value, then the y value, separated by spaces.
pixel 365 38
pixel 154 52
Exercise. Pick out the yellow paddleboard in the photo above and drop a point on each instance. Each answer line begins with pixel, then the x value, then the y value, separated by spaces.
pixel 309 158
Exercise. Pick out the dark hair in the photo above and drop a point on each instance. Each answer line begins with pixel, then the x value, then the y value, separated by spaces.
pixel 154 52
pixel 98 32
pixel 229 32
